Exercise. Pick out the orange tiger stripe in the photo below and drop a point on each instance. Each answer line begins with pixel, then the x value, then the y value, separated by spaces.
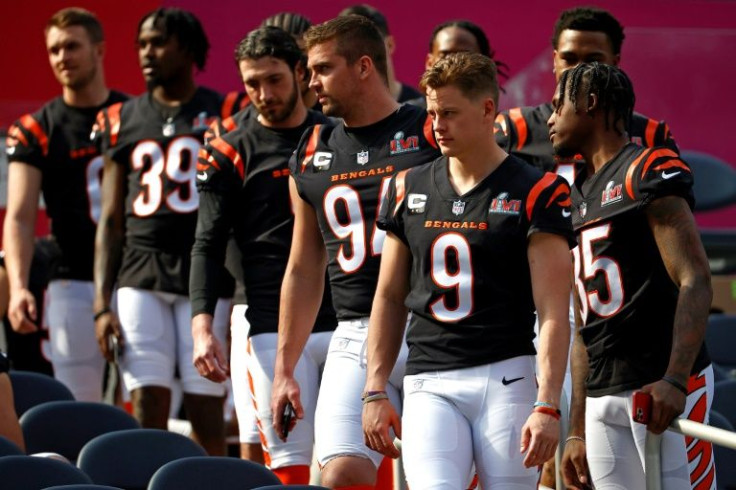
pixel 534 194
pixel 673 163
pixel 400 188
pixel 15 133
pixel 228 104
pixel 113 116
pixel 650 132
pixel 311 146
pixel 35 128
pixel 521 129
pixel 630 174
pixel 661 152
pixel 230 153
pixel 561 190
pixel 429 132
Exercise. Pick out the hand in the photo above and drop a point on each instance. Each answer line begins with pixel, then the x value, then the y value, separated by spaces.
pixel 285 389
pixel 22 311
pixel 539 438
pixel 378 417
pixel 207 354
pixel 108 325
pixel 667 403
pixel 575 466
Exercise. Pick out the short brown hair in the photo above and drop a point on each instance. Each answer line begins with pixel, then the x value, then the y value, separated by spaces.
pixel 356 36
pixel 472 73
pixel 75 16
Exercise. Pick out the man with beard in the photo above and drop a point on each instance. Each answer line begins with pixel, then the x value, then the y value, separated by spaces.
pixel 50 152
pixel 243 182
pixel 145 236
pixel 338 177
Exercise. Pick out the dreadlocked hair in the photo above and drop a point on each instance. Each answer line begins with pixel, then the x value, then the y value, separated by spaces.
pixel 610 84
pixel 187 29
pixel 481 39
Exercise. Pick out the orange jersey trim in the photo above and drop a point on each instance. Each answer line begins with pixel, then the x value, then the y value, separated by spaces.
pixel 311 147
pixel 429 132
pixel 14 133
pixel 400 189
pixel 501 121
pixel 521 129
pixel 230 153
pixel 650 132
pixel 536 191
pixel 228 104
pixel 113 116
pixel 562 189
pixel 35 128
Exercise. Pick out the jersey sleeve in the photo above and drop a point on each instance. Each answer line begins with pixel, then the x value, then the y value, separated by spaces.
pixel 219 173
pixel 303 158
pixel 393 207
pixel 549 208
pixel 657 133
pixel 107 129
pixel 27 141
pixel 659 172
pixel 502 131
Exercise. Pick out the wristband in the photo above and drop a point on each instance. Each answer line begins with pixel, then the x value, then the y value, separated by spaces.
pixel 381 395
pixel 547 405
pixel 676 383
pixel 103 311
pixel 548 411
pixel 575 438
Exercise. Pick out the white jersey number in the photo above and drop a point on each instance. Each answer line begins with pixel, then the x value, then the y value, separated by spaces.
pixel 354 230
pixel 460 280
pixel 178 165
pixel 587 265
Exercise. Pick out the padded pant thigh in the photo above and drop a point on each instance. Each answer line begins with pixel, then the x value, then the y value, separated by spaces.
pixel 75 355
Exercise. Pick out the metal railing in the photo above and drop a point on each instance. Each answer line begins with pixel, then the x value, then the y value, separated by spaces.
pixel 652 456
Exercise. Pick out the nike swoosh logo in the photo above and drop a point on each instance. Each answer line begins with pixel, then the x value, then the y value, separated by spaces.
pixel 566 213
pixel 507 382
pixel 665 175
pixel 202 176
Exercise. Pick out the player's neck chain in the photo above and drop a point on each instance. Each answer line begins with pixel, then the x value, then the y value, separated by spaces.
pixel 168 114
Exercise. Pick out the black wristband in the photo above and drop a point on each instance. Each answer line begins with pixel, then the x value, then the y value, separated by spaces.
pixel 676 383
pixel 102 312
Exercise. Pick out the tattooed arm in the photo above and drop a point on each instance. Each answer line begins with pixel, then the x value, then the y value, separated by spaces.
pixel 683 255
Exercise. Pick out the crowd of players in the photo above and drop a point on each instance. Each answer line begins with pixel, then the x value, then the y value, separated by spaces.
pixel 390 247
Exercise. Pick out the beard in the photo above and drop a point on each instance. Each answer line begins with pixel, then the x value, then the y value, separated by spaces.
pixel 282 114
pixel 82 79
pixel 564 151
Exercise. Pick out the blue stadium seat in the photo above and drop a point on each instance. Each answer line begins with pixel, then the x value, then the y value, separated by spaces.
pixel 212 472
pixel 720 338
pixel 129 458
pixel 9 448
pixel 31 389
pixel 32 473
pixel 64 427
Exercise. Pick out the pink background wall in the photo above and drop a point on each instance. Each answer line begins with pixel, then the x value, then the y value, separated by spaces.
pixel 679 53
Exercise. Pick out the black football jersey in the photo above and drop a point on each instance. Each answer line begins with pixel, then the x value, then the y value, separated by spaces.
pixel 243 179
pixel 343 173
pixel 523 132
pixel 471 293
pixel 160 155
pixel 627 296
pixel 56 140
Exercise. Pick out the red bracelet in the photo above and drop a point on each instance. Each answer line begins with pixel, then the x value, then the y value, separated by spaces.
pixel 548 411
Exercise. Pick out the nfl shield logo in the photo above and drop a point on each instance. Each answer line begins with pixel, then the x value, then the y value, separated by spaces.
pixel 362 157
pixel 458 207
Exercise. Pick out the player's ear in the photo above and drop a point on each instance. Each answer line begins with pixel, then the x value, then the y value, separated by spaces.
pixel 429 61
pixel 592 104
pixel 489 108
pixel 101 48
pixel 390 45
pixel 365 66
